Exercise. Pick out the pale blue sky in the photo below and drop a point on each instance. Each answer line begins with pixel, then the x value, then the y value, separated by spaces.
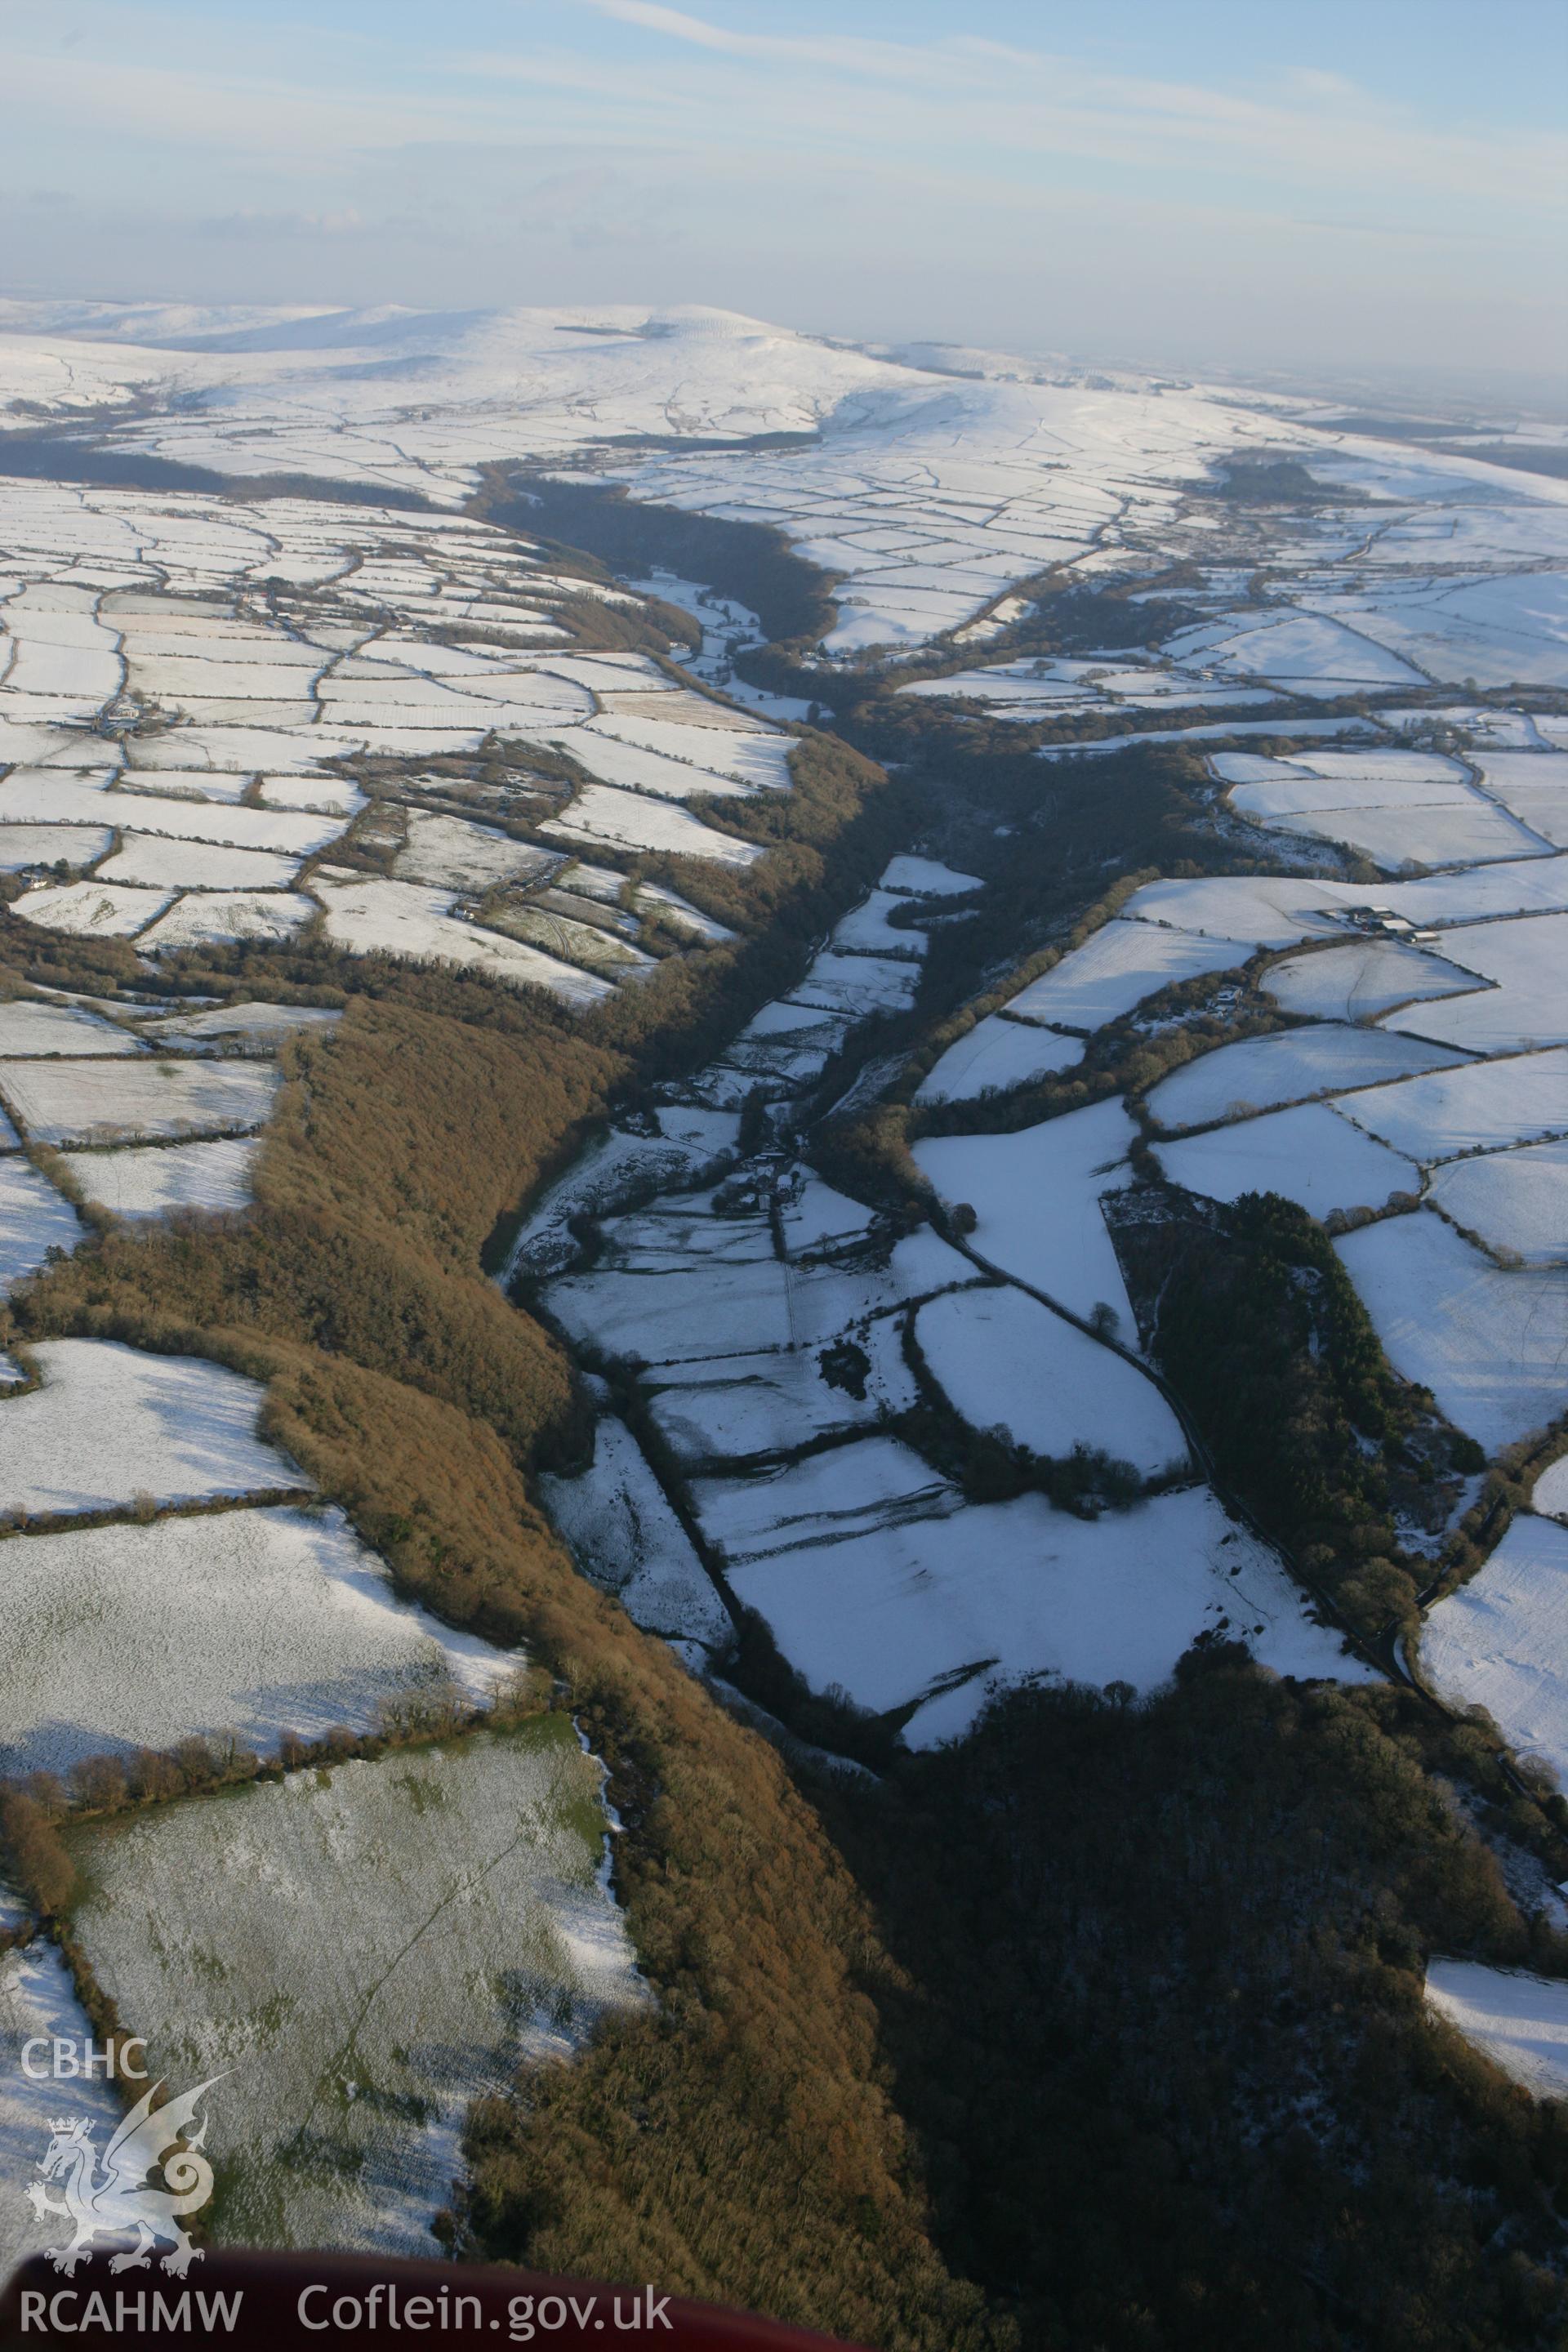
pixel 1301 184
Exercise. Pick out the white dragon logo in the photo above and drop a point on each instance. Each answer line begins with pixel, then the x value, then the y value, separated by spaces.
pixel 114 2203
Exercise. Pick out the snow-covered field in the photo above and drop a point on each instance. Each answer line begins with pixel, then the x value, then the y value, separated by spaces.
pixel 1288 1066
pixel 1474 1107
pixel 1517 1201
pixel 28 1025
pixel 998 1053
pixel 1361 979
pixel 139 1183
pixel 380 1943
pixel 1534 786
pixel 625 1535
pixel 1036 1196
pixel 1498 1642
pixel 1491 1344
pixel 37 1998
pixel 174 1428
pixel 1527 1003
pixel 372 916
pixel 34 1220
pixel 112 1101
pixel 254 1621
pixel 1004 1361
pixel 1403 808
pixel 1304 1153
pixel 899 1611
pixel 1519 2021
pixel 1115 970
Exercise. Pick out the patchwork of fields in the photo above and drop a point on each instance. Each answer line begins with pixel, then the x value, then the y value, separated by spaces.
pixel 916 1448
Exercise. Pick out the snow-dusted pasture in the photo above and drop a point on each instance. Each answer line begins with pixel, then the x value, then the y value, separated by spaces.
pixel 206 917
pixel 1258 1073
pixel 34 1220
pixel 1025 691
pixel 1527 885
pixel 259 1621
pixel 30 1026
pixel 1211 731
pixel 410 920
pixel 1007 1589
pixel 1251 910
pixel 42 798
pixel 1474 1107
pixel 37 1998
pixel 605 816
pixel 801 1024
pixel 113 1102
pixel 1534 786
pixel 1278 910
pixel 612 1169
pixel 625 1535
pixel 1527 961
pixel 657 1318
pixel 706 1308
pixel 455 855
pixel 75 845
pixel 1003 1362
pixel 1501 631
pixel 1301 651
pixel 1458 829
pixel 1305 1153
pixel 158 762
pixel 1490 1345
pixel 1115 970
pixel 1518 2021
pixel 98 910
pixel 492 1844
pixel 1036 1196
pixel 732 1407
pixel 858 984
pixel 678 763
pixel 1551 1490
pixel 176 1428
pixel 158 864
pixel 867 930
pixel 318 795
pixel 1361 979
pixel 143 1181
pixel 1501 1641
pixel 878 1484
pixel 1320 779
pixel 997 1054
pixel 570 941
pixel 255 1025
pixel 1517 1201
pixel 816 1220
pixel 926 877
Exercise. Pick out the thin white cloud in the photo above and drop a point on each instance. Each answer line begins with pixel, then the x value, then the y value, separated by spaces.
pixel 1317 125
pixel 629 150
